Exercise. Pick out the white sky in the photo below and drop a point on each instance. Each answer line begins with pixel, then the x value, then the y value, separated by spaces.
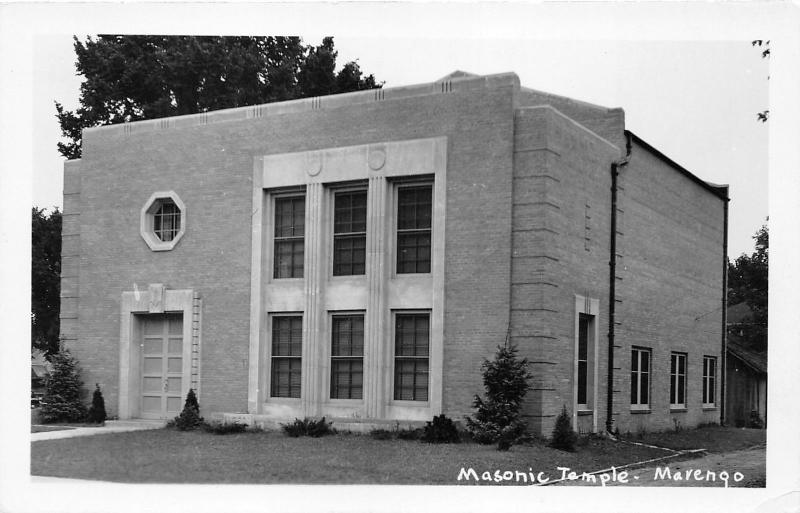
pixel 694 101
pixel 683 71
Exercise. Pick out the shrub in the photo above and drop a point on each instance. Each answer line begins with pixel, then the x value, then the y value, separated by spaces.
pixel 224 428
pixel 62 401
pixel 441 430
pixel 97 411
pixel 308 427
pixel 497 418
pixel 190 418
pixel 410 434
pixel 755 420
pixel 564 437
pixel 382 434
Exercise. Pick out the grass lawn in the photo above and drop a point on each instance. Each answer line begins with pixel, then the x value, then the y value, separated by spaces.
pixel 167 456
pixel 715 439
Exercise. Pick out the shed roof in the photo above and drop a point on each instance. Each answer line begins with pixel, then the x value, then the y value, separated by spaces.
pixel 756 360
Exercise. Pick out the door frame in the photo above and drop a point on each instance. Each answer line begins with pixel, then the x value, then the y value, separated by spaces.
pixel 155 300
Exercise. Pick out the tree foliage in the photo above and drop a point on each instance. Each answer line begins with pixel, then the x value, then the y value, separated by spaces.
pixel 63 397
pixel 763 116
pixel 130 78
pixel 497 418
pixel 45 279
pixel 748 278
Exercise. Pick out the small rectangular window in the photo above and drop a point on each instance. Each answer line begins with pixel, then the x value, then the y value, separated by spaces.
pixel 640 378
pixel 677 380
pixel 414 212
pixel 411 347
pixel 287 347
pixel 290 214
pixel 349 233
pixel 709 381
pixel 583 359
pixel 347 356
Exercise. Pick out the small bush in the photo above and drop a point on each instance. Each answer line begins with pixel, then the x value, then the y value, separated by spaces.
pixel 382 434
pixel 397 434
pixel 97 411
pixel 224 428
pixel 755 421
pixel 190 418
pixel 441 430
pixel 564 437
pixel 308 427
pixel 410 434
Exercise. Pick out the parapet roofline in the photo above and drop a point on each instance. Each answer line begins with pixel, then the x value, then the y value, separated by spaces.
pixel 720 191
pixel 567 99
pixel 459 81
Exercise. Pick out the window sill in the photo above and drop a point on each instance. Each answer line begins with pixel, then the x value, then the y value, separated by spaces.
pixel 585 412
pixel 635 411
pixel 410 404
pixel 678 409
pixel 710 408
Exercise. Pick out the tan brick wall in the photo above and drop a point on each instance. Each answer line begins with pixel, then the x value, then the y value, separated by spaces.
pixel 211 166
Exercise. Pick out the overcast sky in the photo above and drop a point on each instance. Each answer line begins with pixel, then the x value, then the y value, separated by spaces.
pixel 694 101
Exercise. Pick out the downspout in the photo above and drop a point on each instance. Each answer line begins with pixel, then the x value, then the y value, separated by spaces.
pixel 612 279
pixel 724 360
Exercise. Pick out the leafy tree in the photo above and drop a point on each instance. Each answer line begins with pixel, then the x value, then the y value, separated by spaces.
pixel 130 78
pixel 748 283
pixel 497 418
pixel 62 401
pixel 45 280
pixel 763 116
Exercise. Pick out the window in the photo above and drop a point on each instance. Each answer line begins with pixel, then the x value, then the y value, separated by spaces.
pixel 584 321
pixel 414 229
pixel 640 378
pixel 349 233
pixel 709 381
pixel 287 343
pixel 411 343
pixel 347 356
pixel 163 220
pixel 290 213
pixel 677 380
pixel 167 221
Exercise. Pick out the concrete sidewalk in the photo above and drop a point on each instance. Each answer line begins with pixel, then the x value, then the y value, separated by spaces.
pixel 111 426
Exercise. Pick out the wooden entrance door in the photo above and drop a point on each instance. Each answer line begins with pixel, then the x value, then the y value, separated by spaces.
pixel 162 365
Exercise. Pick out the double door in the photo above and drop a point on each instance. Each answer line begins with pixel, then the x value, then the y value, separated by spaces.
pixel 162 366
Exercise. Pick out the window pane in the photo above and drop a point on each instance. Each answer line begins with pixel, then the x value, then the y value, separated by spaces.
pixel 285 377
pixel 412 341
pixel 634 387
pixel 582 382
pixel 645 385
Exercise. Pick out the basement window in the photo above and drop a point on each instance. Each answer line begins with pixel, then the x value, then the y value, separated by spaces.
pixel 163 221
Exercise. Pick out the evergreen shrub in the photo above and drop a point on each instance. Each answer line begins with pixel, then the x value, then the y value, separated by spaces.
pixel 497 418
pixel 97 411
pixel 564 437
pixel 62 401
pixel 189 419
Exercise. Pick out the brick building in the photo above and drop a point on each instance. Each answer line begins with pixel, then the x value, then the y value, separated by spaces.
pixel 358 256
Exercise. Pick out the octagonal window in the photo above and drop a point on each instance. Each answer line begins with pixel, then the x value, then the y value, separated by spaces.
pixel 163 221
